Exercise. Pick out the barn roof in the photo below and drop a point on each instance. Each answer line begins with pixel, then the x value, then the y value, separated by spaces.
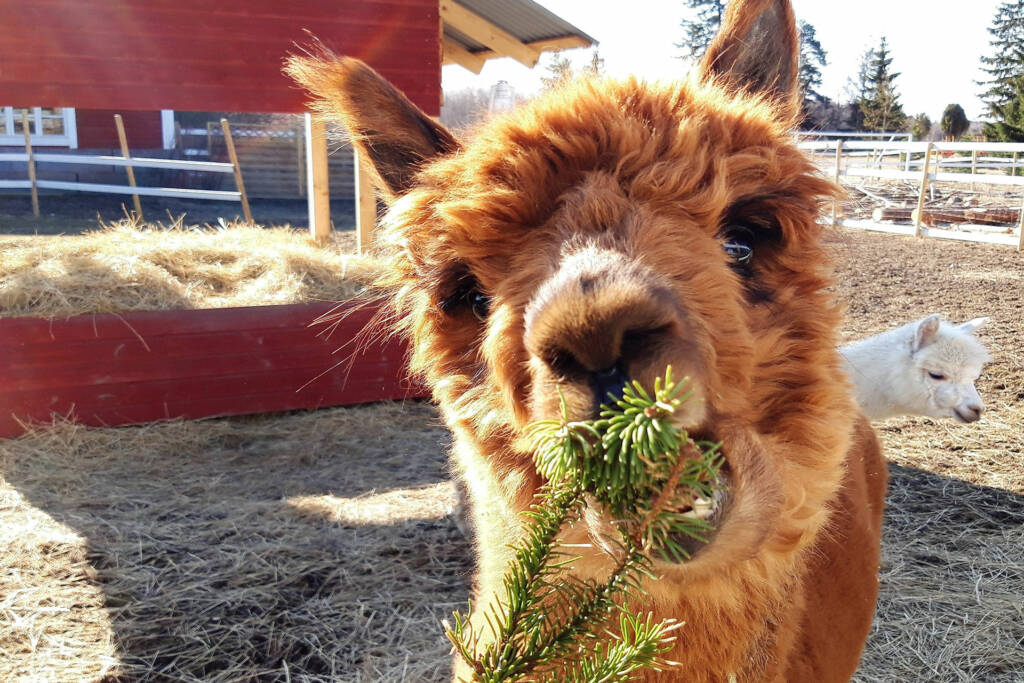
pixel 478 30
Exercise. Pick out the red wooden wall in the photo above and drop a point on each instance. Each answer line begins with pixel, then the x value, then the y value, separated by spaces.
pixel 96 129
pixel 204 55
pixel 139 367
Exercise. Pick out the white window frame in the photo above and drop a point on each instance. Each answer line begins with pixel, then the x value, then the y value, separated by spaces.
pixel 8 138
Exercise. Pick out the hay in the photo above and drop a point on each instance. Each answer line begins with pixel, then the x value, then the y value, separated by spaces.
pixel 132 266
pixel 314 545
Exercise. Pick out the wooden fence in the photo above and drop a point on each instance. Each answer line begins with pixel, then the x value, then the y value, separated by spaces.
pixel 924 163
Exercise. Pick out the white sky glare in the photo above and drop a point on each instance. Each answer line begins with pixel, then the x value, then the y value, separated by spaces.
pixel 936 45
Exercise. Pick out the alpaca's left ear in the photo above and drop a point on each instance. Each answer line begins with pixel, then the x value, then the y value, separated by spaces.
pixel 757 49
pixel 927 331
pixel 972 326
pixel 392 132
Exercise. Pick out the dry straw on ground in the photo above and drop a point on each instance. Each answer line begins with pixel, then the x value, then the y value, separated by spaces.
pixel 318 546
pixel 131 266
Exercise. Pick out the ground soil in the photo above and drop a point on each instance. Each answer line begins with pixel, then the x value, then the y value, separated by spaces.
pixel 321 546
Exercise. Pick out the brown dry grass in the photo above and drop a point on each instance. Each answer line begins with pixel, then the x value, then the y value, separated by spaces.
pixel 318 546
pixel 131 266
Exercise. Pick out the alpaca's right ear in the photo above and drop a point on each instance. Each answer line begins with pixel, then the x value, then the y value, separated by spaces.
pixel 927 331
pixel 392 132
pixel 973 325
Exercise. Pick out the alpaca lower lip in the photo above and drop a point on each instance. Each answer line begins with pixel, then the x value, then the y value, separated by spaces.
pixel 712 511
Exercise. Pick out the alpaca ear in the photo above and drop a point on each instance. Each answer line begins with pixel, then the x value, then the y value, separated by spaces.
pixel 393 133
pixel 927 331
pixel 971 326
pixel 757 49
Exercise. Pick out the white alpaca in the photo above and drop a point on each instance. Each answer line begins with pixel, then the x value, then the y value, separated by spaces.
pixel 926 367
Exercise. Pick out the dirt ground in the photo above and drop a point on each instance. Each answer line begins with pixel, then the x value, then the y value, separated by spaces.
pixel 321 546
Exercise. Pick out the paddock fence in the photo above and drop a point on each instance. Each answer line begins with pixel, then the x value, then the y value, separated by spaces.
pixel 972 191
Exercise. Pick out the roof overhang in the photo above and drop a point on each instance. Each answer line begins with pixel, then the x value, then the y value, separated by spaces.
pixel 477 30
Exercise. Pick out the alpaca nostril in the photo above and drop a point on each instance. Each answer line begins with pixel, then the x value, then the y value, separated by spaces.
pixel 609 382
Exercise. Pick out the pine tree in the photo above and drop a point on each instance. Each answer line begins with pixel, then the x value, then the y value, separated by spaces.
pixel 954 121
pixel 813 59
pixel 920 126
pixel 1006 65
pixel 881 107
pixel 1009 126
pixel 699 31
pixel 559 72
pixel 646 473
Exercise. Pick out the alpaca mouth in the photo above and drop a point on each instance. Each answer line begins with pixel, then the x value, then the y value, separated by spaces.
pixel 710 512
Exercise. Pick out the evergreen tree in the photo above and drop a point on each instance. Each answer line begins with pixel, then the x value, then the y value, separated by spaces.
pixel 920 127
pixel 559 71
pixel 954 121
pixel 1006 65
pixel 813 59
pixel 699 31
pixel 881 107
pixel 1009 126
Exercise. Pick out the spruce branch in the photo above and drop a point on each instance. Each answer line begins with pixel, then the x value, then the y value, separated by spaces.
pixel 650 478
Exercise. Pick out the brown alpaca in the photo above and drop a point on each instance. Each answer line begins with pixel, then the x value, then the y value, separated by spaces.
pixel 603 232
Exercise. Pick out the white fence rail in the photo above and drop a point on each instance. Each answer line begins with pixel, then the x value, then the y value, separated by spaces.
pixel 128 162
pixel 923 163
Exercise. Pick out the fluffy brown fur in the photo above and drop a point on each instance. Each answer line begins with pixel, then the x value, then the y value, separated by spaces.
pixel 592 222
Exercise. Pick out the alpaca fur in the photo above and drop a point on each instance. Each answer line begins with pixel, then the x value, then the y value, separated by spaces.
pixel 927 367
pixel 584 232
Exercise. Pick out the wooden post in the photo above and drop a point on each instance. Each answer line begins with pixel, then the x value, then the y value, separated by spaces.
pixel 1020 227
pixel 31 163
pixel 318 192
pixel 924 188
pixel 300 162
pixel 366 204
pixel 838 173
pixel 974 167
pixel 1013 169
pixel 230 144
pixel 125 153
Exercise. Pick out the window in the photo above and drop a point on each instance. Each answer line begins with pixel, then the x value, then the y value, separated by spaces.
pixel 49 127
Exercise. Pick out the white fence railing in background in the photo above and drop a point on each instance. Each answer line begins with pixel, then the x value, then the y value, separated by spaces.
pixel 921 163
pixel 129 162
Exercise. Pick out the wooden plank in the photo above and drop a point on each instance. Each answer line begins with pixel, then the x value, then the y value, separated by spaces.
pixel 923 189
pixel 543 45
pixel 182 193
pixel 123 140
pixel 140 162
pixel 456 54
pixel 31 164
pixel 136 367
pixel 486 33
pixel 239 183
pixel 366 204
pixel 318 180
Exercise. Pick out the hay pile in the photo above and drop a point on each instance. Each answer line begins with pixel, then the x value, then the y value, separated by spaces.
pixel 131 266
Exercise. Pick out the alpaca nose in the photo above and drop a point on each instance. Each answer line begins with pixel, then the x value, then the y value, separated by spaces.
pixel 599 331
pixel 972 412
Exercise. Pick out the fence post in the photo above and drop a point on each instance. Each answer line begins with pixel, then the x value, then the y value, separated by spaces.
pixel 125 153
pixel 974 167
pixel 31 163
pixel 230 144
pixel 838 173
pixel 300 162
pixel 1013 169
pixel 1020 227
pixel 924 188
pixel 318 193
pixel 366 203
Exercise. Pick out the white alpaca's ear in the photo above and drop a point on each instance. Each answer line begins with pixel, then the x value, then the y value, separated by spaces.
pixel 972 325
pixel 927 331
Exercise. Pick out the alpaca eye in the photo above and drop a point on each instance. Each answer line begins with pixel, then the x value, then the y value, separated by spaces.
pixel 480 304
pixel 937 376
pixel 739 251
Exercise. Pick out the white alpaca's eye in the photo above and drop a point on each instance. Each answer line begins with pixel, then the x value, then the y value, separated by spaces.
pixel 937 376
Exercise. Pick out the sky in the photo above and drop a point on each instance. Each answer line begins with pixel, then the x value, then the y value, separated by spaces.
pixel 935 45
